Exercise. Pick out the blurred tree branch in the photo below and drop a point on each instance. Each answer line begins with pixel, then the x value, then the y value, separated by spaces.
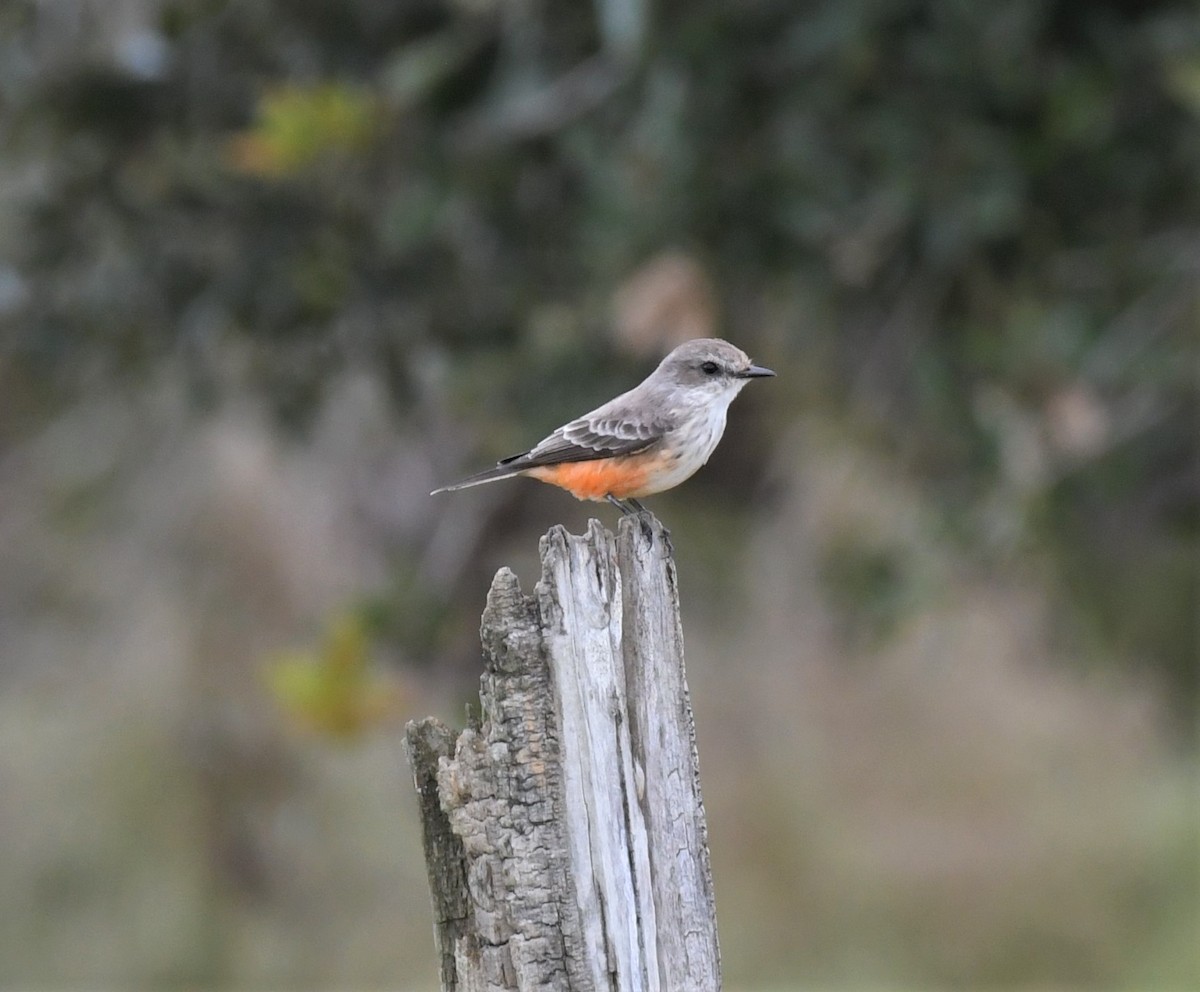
pixel 908 204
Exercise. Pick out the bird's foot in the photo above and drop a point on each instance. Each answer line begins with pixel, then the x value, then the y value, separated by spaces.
pixel 629 507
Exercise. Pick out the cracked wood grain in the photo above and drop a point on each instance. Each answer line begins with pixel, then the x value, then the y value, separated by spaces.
pixel 564 835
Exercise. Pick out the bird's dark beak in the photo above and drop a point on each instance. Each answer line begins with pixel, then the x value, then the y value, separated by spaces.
pixel 755 372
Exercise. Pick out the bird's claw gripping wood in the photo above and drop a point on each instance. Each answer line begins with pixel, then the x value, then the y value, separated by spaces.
pixel 628 506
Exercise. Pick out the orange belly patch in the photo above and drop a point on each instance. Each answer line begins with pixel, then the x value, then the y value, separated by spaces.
pixel 620 477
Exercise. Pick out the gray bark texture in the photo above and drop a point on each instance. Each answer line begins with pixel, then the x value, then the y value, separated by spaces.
pixel 564 834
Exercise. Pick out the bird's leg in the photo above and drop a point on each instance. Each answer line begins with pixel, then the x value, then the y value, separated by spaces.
pixel 636 504
pixel 624 505
pixel 617 503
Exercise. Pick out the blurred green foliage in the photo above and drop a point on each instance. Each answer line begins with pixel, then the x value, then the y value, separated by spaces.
pixel 968 233
pixel 332 691
pixel 299 125
pixel 912 206
pixel 921 199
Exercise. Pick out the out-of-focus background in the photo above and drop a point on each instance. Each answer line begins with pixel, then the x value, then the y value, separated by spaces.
pixel 270 270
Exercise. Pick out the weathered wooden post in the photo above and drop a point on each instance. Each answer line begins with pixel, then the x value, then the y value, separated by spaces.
pixel 564 833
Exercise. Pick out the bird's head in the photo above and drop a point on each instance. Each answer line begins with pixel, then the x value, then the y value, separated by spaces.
pixel 709 367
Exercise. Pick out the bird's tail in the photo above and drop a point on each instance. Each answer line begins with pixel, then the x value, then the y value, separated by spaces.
pixel 491 475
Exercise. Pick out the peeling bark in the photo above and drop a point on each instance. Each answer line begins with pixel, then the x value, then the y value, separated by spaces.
pixel 565 836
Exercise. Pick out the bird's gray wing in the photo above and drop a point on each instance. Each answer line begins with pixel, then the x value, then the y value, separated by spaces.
pixel 633 422
pixel 605 433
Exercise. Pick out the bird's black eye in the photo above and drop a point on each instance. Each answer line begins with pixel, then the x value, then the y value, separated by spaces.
pixel 709 368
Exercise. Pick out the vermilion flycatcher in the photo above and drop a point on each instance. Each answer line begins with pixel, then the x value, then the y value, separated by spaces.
pixel 646 440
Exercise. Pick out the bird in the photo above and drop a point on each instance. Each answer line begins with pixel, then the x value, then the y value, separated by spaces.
pixel 645 441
